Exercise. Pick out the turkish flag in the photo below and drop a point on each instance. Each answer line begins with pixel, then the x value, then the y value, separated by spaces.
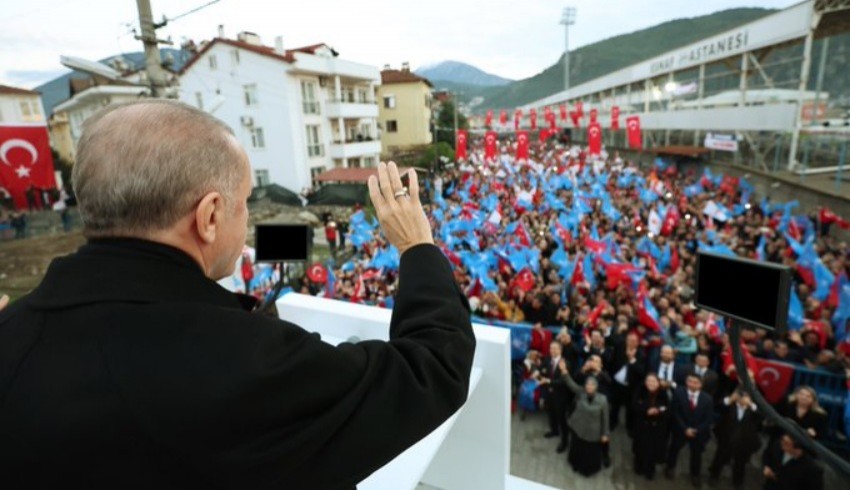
pixel 773 378
pixel 615 117
pixel 553 124
pixel 460 147
pixel 593 115
pixel 633 130
pixel 25 161
pixel 544 135
pixel 594 138
pixel 489 118
pixel 490 141
pixel 517 119
pixel 563 112
pixel 524 280
pixel 575 117
pixel 503 117
pixel 532 115
pixel 671 219
pixel 580 109
pixel 617 274
pixel 828 217
pixel 522 145
pixel 317 273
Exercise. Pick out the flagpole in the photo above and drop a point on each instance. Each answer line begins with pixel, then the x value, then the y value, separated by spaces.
pixel 568 19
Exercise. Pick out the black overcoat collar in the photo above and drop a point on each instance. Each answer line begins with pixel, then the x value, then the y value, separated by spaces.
pixel 130 270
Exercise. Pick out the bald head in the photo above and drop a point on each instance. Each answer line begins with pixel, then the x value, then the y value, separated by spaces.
pixel 143 165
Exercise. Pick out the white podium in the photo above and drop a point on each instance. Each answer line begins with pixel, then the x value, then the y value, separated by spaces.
pixel 472 448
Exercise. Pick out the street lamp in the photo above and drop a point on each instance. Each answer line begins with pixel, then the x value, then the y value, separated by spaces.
pixel 567 19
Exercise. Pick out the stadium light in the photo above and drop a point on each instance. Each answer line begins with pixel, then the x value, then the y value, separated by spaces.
pixel 568 18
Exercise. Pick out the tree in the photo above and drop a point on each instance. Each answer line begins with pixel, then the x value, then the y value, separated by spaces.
pixel 443 149
pixel 446 123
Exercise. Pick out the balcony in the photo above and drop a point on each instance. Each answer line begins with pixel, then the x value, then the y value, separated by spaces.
pixel 354 149
pixel 351 110
pixel 472 448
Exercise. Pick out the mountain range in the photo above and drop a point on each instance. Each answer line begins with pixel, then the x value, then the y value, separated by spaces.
pixel 457 72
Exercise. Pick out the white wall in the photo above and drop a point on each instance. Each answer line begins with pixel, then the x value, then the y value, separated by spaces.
pixel 12 113
pixel 278 111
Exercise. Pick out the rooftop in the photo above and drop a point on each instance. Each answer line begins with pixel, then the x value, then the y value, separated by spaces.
pixel 402 76
pixel 7 90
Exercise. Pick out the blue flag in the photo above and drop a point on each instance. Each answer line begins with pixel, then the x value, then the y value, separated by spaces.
pixel 795 311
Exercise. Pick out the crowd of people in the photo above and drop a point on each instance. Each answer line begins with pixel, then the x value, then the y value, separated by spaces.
pixel 605 250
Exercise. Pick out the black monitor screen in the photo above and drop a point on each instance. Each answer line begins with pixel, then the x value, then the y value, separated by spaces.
pixel 282 243
pixel 756 292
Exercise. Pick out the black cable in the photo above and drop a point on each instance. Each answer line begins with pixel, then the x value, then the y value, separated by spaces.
pixel 841 466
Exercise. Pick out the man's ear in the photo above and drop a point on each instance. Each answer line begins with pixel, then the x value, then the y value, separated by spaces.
pixel 208 216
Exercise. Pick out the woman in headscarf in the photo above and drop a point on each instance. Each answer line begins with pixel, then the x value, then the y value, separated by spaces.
pixel 589 424
pixel 652 428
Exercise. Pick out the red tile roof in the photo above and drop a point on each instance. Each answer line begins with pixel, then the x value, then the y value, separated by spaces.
pixel 7 90
pixel 288 57
pixel 402 76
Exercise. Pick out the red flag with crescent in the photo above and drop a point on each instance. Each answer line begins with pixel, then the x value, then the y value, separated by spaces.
pixel 532 115
pixel 773 378
pixel 25 161
pixel 633 130
pixel 563 113
pixel 580 109
pixel 317 273
pixel 575 117
pixel 517 119
pixel 522 145
pixel 615 117
pixel 490 145
pixel 503 117
pixel 594 113
pixel 544 135
pixel 460 147
pixel 488 121
pixel 594 138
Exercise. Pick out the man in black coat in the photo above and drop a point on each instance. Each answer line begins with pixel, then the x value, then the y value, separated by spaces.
pixel 627 373
pixel 737 437
pixel 787 466
pixel 670 373
pixel 692 414
pixel 130 367
pixel 556 395
pixel 701 368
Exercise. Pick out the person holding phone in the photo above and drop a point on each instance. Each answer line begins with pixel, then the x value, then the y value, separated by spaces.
pixel 130 367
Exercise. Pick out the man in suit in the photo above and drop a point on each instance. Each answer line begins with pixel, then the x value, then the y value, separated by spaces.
pixel 737 437
pixel 627 372
pixel 709 377
pixel 692 413
pixel 130 367
pixel 787 466
pixel 556 395
pixel 670 373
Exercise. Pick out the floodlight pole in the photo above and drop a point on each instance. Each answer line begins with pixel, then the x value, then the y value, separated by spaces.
pixel 568 18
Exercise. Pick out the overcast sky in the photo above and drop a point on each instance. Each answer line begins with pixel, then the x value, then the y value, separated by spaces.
pixel 510 38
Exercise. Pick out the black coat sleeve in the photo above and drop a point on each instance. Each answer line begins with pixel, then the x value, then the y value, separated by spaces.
pixel 275 407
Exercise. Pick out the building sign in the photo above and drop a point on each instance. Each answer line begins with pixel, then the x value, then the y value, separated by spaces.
pixel 809 111
pixel 721 142
pixel 788 24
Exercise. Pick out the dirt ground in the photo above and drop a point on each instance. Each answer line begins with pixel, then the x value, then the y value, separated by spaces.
pixel 24 262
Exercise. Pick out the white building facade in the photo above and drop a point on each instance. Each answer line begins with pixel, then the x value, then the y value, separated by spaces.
pixel 297 112
pixel 20 106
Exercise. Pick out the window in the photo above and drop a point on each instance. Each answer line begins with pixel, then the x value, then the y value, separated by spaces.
pixel 234 57
pixel 315 172
pixel 257 138
pixel 199 100
pixel 361 96
pixel 314 145
pixel 263 178
pixel 213 62
pixel 308 95
pixel 25 108
pixel 389 102
pixel 251 95
pixel 369 162
pixel 392 126
pixel 1 113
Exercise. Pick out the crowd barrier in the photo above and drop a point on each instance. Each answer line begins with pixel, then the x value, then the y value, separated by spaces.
pixel 832 395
